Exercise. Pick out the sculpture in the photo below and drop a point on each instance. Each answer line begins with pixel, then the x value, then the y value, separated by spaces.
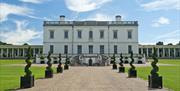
pixel 154 80
pixel 113 59
pixel 27 80
pixel 66 66
pixel 49 70
pixel 59 68
pixel 132 71
pixel 121 68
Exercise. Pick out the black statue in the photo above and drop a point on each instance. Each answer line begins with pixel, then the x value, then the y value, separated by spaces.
pixel 113 59
pixel 49 70
pixel 59 68
pixel 27 80
pixel 121 68
pixel 66 66
pixel 155 81
pixel 132 71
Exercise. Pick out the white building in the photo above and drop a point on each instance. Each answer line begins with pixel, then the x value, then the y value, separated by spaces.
pixel 90 38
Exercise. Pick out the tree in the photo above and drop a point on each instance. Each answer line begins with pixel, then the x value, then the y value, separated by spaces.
pixel 160 43
pixel 25 44
pixel 169 44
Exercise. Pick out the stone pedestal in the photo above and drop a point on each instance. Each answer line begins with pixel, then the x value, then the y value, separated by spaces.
pixel 132 73
pixel 155 82
pixel 114 66
pixel 27 81
pixel 48 74
pixel 121 69
pixel 66 67
pixel 59 70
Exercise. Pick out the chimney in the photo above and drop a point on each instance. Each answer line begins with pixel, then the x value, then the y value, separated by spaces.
pixel 118 18
pixel 62 18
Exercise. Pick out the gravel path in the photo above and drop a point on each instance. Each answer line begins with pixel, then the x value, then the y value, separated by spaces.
pixel 90 79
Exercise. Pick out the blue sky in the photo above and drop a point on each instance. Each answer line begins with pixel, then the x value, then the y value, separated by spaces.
pixel 21 20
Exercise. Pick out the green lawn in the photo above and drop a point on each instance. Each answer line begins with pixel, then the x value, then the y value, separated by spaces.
pixel 10 75
pixel 171 74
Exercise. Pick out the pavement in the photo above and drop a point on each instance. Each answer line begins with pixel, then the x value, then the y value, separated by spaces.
pixel 91 79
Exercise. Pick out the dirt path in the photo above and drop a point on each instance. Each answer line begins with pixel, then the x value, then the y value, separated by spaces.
pixel 90 79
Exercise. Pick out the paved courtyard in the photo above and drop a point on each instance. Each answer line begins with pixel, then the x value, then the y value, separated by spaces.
pixel 90 79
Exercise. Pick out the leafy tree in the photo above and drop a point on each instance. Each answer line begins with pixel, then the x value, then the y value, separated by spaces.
pixel 160 43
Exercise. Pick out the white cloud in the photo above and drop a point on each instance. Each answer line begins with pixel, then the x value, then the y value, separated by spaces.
pixel 170 37
pixel 20 35
pixel 162 5
pixel 7 9
pixel 32 1
pixel 160 21
pixel 100 17
pixel 85 5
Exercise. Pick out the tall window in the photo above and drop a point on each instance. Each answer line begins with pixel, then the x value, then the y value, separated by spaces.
pixel 90 35
pixel 79 49
pixel 129 34
pixel 101 34
pixel 51 49
pixel 65 49
pixel 115 34
pixel 51 34
pixel 66 34
pixel 115 49
pixel 129 48
pixel 79 34
pixel 101 49
pixel 90 49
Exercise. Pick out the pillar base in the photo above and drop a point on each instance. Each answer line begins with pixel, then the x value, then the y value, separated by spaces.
pixel 155 82
pixel 27 81
pixel 121 69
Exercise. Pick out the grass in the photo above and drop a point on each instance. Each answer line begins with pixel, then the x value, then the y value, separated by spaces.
pixel 170 74
pixel 10 75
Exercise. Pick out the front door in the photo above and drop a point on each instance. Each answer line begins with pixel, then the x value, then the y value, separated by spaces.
pixel 90 62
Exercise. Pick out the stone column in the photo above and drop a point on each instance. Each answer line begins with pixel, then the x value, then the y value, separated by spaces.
pixel 7 52
pixel 168 52
pixel 17 52
pixel 174 52
pixel 147 52
pixel 23 52
pixel 157 52
pixel 33 52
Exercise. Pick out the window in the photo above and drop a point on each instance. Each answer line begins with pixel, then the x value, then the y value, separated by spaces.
pixel 51 49
pixel 90 35
pixel 66 34
pixel 115 49
pixel 51 36
pixel 79 34
pixel 101 49
pixel 101 34
pixel 90 49
pixel 115 34
pixel 129 34
pixel 129 48
pixel 65 49
pixel 79 49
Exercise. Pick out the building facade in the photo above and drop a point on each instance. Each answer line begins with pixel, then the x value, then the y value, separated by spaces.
pixel 90 37
pixel 163 51
pixel 19 51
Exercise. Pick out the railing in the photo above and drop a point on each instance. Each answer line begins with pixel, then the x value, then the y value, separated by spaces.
pixel 90 23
